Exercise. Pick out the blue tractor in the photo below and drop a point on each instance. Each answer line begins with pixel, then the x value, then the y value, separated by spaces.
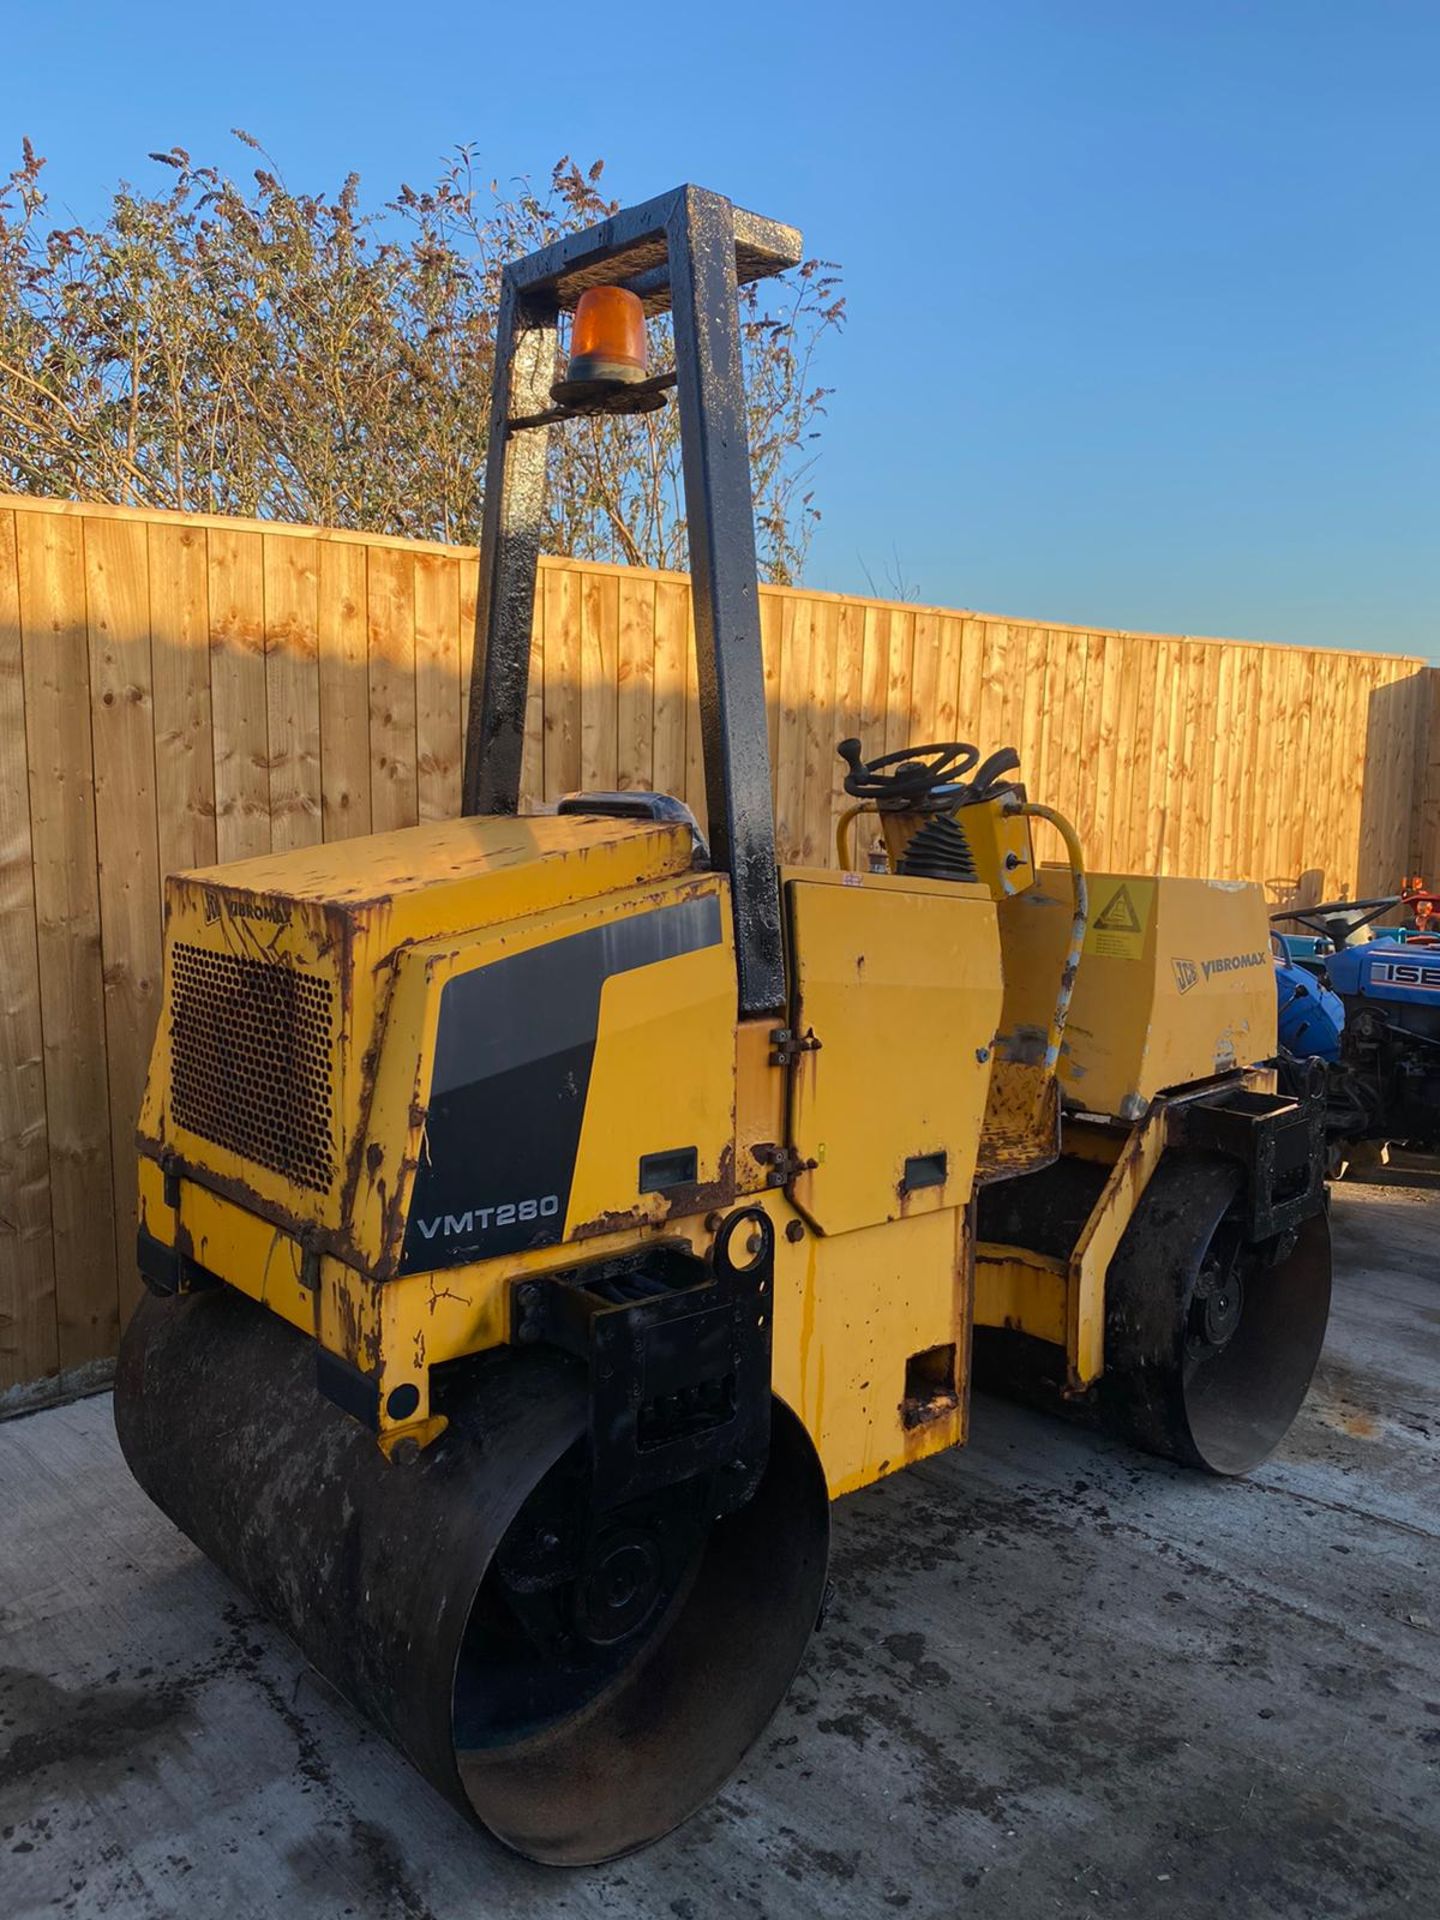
pixel 1364 1001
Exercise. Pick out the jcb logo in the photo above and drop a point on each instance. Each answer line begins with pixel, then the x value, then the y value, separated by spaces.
pixel 1186 974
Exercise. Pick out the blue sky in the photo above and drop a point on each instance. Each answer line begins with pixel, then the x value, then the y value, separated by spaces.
pixel 1144 298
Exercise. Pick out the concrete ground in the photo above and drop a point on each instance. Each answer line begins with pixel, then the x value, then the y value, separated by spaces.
pixel 1059 1679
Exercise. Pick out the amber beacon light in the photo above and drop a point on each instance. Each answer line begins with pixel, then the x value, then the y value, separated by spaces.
pixel 607 347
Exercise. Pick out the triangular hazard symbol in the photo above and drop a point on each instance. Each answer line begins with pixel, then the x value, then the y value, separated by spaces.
pixel 1120 915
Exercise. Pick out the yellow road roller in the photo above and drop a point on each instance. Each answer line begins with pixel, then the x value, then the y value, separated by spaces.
pixel 544 1218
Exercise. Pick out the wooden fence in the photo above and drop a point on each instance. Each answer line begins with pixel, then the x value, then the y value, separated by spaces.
pixel 176 690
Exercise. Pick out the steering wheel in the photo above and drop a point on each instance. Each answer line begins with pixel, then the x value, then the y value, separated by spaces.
pixel 1338 920
pixel 912 774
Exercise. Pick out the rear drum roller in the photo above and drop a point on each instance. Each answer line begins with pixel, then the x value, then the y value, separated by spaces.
pixel 1210 1342
pixel 578 1683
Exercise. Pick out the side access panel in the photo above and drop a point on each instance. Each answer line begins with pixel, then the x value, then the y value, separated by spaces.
pixel 1176 984
pixel 570 1076
pixel 898 982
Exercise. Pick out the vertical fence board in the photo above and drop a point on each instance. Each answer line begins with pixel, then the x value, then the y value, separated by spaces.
pixel 1260 801
pixel 1227 772
pixel 1307 825
pixel 874 681
pixel 901 660
pixel 1132 832
pixel 532 760
pixel 1186 722
pixel 794 700
pixel 1048 750
pixel 1352 766
pixel 29 1343
pixel 1317 810
pixel 1072 654
pixel 469 562
pixel 1404 755
pixel 292 690
pixel 1166 736
pixel 635 684
pixel 995 718
pixel 1379 786
pixel 874 646
pixel 390 620
pixel 1029 644
pixel 1240 777
pixel 1407 759
pixel 1268 818
pixel 669 743
pixel 1368 861
pixel 1338 798
pixel 1094 752
pixel 822 763
pixel 437 686
pixel 953 687
pixel 180 690
pixel 238 702
pixel 967 697
pixel 67 907
pixel 925 679
pixel 1401 761
pixel 599 666
pixel 693 792
pixel 1425 833
pixel 1351 771
pixel 342 630
pixel 1126 659
pixel 127 843
pixel 849 709
pixel 771 623
pixel 562 682
pixel 1410 793
pixel 1299 701
pixel 1206 796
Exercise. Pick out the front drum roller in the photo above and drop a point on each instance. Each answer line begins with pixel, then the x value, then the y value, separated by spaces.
pixel 1210 1342
pixel 577 1684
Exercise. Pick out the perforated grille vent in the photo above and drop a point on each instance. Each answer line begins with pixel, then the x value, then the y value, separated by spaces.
pixel 250 1061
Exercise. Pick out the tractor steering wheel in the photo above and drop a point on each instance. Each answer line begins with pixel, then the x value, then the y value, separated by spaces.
pixel 914 774
pixel 1338 920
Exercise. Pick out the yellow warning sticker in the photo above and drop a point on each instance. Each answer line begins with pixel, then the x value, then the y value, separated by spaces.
pixel 1117 926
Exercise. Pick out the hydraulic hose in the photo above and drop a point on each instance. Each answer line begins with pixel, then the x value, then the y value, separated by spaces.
pixel 842 833
pixel 1077 925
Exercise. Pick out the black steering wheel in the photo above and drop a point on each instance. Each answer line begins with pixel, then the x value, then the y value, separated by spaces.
pixel 924 777
pixel 1338 920
pixel 911 774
